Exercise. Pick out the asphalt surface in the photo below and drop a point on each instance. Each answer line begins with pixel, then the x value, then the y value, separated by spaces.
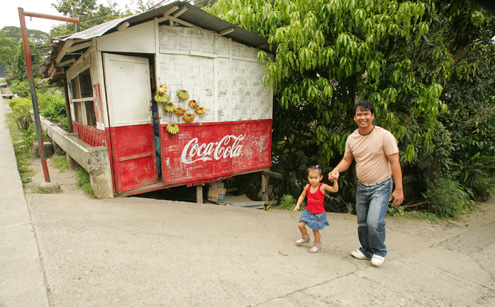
pixel 71 250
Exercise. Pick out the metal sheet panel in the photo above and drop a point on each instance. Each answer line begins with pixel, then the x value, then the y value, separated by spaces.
pixel 206 152
pixel 134 157
pixel 193 15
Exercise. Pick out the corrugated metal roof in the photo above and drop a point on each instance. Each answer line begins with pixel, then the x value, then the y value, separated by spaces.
pixel 192 15
pixel 189 14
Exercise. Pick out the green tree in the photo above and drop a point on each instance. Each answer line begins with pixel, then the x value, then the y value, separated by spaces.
pixel 331 53
pixel 9 40
pixel 89 13
pixel 36 36
pixel 19 65
pixel 138 6
pixel 7 51
pixel 204 3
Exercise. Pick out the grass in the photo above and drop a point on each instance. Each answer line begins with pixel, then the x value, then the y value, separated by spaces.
pixel 84 182
pixel 24 156
pixel 60 162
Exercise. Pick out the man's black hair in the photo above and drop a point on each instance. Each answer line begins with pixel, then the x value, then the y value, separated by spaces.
pixel 365 105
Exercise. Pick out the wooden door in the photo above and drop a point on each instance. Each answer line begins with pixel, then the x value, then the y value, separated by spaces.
pixel 128 90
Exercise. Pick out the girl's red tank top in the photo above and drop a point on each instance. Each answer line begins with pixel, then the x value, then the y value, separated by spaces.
pixel 314 203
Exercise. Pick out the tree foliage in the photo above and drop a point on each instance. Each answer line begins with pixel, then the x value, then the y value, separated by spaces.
pixel 204 3
pixel 89 13
pixel 10 37
pixel 331 53
pixel 36 36
pixel 20 68
pixel 7 51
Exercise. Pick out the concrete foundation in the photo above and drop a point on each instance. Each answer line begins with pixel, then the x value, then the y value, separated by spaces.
pixel 95 160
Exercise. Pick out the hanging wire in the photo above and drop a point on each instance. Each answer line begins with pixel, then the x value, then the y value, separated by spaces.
pixel 160 3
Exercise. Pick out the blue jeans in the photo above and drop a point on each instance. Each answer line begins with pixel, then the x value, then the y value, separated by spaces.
pixel 371 208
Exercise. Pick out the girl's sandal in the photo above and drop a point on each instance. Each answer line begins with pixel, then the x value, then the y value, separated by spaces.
pixel 316 248
pixel 304 239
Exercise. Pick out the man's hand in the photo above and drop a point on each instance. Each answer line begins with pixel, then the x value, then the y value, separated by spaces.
pixel 397 198
pixel 333 175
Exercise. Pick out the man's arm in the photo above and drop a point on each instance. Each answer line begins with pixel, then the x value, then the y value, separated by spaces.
pixel 341 167
pixel 397 196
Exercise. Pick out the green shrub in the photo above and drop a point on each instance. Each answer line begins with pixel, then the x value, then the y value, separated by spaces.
pixel 52 105
pixel 477 175
pixel 287 202
pixel 21 111
pixel 447 198
pixel 21 89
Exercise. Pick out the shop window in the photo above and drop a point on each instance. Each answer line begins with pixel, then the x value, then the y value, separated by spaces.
pixel 82 99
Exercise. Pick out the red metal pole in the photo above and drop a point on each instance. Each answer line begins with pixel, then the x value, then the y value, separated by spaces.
pixel 46 16
pixel 29 66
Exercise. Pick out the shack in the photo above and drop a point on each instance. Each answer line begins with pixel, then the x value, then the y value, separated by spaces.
pixel 174 95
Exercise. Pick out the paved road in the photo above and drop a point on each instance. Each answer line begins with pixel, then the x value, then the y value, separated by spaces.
pixel 70 250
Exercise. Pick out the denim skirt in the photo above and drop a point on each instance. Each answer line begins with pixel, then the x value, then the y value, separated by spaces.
pixel 315 221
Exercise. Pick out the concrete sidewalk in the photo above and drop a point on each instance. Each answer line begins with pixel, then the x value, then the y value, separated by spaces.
pixel 69 250
pixel 22 278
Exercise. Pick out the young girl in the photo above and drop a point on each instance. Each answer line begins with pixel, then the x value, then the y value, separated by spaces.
pixel 314 216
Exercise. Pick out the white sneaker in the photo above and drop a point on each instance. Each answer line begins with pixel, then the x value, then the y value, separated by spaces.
pixel 359 255
pixel 377 260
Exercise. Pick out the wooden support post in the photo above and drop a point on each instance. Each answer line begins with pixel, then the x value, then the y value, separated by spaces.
pixel 265 182
pixel 199 194
pixel 264 187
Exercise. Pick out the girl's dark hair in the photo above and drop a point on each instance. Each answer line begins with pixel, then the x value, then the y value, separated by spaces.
pixel 314 168
pixel 365 105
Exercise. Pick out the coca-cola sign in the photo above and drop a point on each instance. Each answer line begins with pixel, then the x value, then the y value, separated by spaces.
pixel 228 147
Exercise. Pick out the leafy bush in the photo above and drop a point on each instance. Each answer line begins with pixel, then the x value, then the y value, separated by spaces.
pixel 21 111
pixel 52 105
pixel 287 202
pixel 477 175
pixel 21 89
pixel 447 198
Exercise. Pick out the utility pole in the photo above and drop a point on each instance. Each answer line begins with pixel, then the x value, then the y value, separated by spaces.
pixel 29 66
pixel 75 23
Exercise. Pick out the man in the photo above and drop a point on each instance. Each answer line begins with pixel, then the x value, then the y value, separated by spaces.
pixel 377 161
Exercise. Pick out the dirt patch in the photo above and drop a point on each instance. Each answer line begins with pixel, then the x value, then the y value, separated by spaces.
pixel 66 178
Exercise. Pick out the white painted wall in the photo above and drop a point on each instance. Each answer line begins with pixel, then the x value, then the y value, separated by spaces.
pixel 136 39
pixel 222 75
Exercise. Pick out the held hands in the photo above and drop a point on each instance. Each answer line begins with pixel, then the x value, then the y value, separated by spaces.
pixel 333 175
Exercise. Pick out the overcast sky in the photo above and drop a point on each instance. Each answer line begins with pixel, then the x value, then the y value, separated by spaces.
pixel 9 13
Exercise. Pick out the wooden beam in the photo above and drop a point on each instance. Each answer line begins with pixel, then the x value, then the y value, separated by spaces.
pixel 66 63
pixel 272 174
pixel 177 20
pixel 182 11
pixel 226 31
pixel 63 51
pixel 79 47
pixel 170 11
pixel 182 22
pixel 123 26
